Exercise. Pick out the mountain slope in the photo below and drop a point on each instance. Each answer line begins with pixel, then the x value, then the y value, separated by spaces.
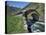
pixel 11 10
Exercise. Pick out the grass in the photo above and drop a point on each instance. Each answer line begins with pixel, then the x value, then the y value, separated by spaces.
pixel 15 24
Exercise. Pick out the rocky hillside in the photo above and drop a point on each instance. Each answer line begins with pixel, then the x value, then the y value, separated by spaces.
pixel 39 7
